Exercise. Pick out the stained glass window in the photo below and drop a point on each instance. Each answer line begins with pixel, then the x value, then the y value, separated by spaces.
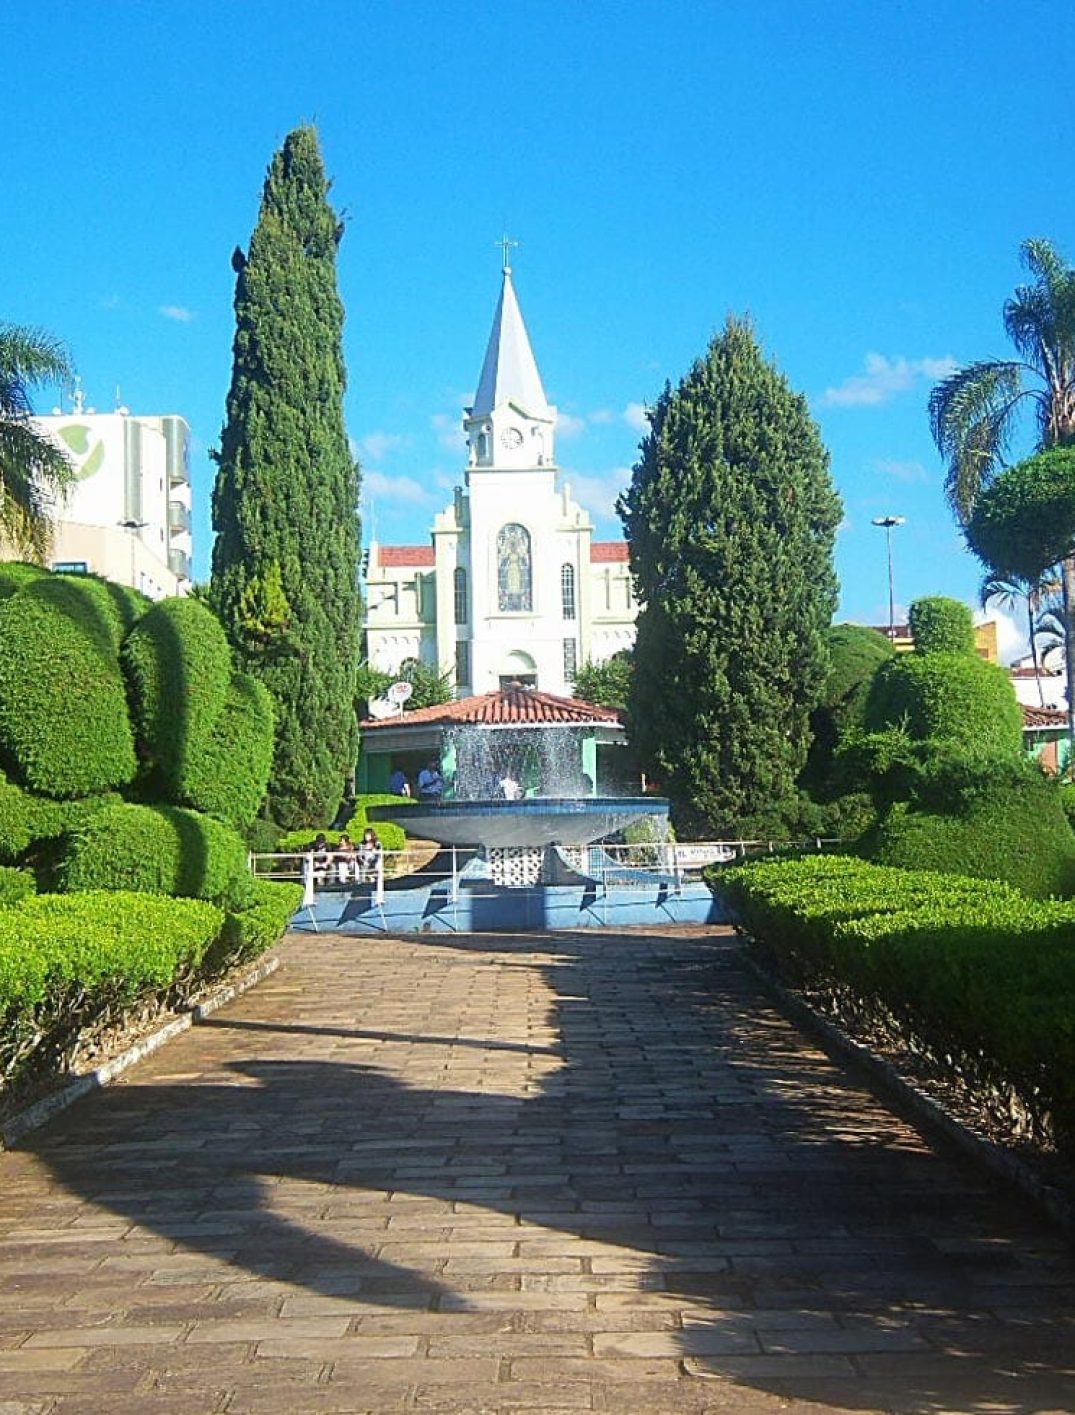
pixel 460 595
pixel 513 569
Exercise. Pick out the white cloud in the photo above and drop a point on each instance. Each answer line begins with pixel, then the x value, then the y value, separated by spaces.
pixel 449 431
pixel 376 444
pixel 634 415
pixel 900 471
pixel 176 312
pixel 598 493
pixel 376 486
pixel 602 417
pixel 1012 640
pixel 567 425
pixel 884 378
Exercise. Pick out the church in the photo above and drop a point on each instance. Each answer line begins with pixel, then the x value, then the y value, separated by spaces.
pixel 512 586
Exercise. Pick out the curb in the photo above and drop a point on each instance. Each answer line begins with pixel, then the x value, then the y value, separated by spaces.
pixel 20 1124
pixel 931 1113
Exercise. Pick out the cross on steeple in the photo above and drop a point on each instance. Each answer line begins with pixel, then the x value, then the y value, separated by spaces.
pixel 505 243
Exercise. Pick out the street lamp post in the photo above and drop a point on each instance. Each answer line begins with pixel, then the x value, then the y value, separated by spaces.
pixel 132 527
pixel 888 522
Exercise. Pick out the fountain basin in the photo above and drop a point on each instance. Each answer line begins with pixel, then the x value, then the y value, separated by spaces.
pixel 539 821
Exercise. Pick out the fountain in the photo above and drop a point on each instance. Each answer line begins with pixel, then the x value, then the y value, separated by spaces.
pixel 519 825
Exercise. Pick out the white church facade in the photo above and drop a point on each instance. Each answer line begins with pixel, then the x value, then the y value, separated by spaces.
pixel 512 586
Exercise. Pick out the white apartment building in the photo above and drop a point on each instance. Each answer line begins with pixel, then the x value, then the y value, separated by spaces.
pixel 511 586
pixel 128 516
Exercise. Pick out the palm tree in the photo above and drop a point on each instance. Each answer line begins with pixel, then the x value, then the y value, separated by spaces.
pixel 975 411
pixel 1037 599
pixel 34 472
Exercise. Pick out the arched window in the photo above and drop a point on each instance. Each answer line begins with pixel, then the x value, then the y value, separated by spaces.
pixel 513 578
pixel 460 595
pixel 567 590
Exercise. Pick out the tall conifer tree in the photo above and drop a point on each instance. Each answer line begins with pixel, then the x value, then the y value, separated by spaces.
pixel 731 517
pixel 285 503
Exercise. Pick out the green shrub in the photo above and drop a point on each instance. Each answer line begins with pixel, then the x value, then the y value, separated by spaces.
pixel 228 777
pixel 262 836
pixel 975 970
pixel 1067 800
pixel 1011 829
pixel 16 575
pixel 941 625
pixel 950 698
pixel 25 818
pixel 157 850
pixel 70 963
pixel 178 664
pixel 250 931
pixel 63 706
pixel 15 885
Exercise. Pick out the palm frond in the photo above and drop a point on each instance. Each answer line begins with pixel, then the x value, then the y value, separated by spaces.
pixel 28 358
pixel 963 399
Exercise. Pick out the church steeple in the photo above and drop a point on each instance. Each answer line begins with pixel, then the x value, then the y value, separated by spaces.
pixel 510 371
pixel 511 422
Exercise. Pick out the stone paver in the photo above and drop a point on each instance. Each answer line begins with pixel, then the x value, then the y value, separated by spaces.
pixel 514 1175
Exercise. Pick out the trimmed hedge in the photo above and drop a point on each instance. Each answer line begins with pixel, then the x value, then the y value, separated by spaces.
pixel 941 625
pixel 25 818
pixel 227 779
pixel 15 575
pixel 953 699
pixel 250 931
pixel 1005 825
pixel 63 704
pixel 69 964
pixel 205 734
pixel 973 971
pixel 15 885
pixel 157 850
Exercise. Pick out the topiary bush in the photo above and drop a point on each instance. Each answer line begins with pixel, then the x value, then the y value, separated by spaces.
pixel 228 777
pixel 64 728
pixel 205 734
pixel 1012 829
pixel 251 930
pixel 951 698
pixel 15 575
pixel 941 625
pixel 156 850
pixel 25 818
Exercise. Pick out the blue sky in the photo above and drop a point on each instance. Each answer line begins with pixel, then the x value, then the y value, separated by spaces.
pixel 857 177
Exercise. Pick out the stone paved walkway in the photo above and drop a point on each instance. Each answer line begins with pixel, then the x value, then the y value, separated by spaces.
pixel 514 1175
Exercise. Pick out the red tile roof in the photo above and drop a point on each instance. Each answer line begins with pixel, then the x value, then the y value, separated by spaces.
pixel 405 555
pixel 602 552
pixel 511 707
pixel 1039 718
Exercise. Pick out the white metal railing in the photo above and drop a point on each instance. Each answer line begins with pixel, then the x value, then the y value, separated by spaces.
pixel 637 866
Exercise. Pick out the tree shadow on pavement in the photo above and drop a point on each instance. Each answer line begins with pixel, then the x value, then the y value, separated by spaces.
pixel 806 1240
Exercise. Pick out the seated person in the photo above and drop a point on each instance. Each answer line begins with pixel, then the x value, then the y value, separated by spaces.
pixel 398 783
pixel 319 848
pixel 346 860
pixel 508 788
pixel 370 856
pixel 430 783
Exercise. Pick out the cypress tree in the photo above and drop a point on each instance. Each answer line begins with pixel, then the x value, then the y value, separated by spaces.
pixel 285 503
pixel 731 517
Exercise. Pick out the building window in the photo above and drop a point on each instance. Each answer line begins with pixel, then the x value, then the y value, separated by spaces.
pixel 513 569
pixel 571 662
pixel 567 590
pixel 460 595
pixel 462 663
